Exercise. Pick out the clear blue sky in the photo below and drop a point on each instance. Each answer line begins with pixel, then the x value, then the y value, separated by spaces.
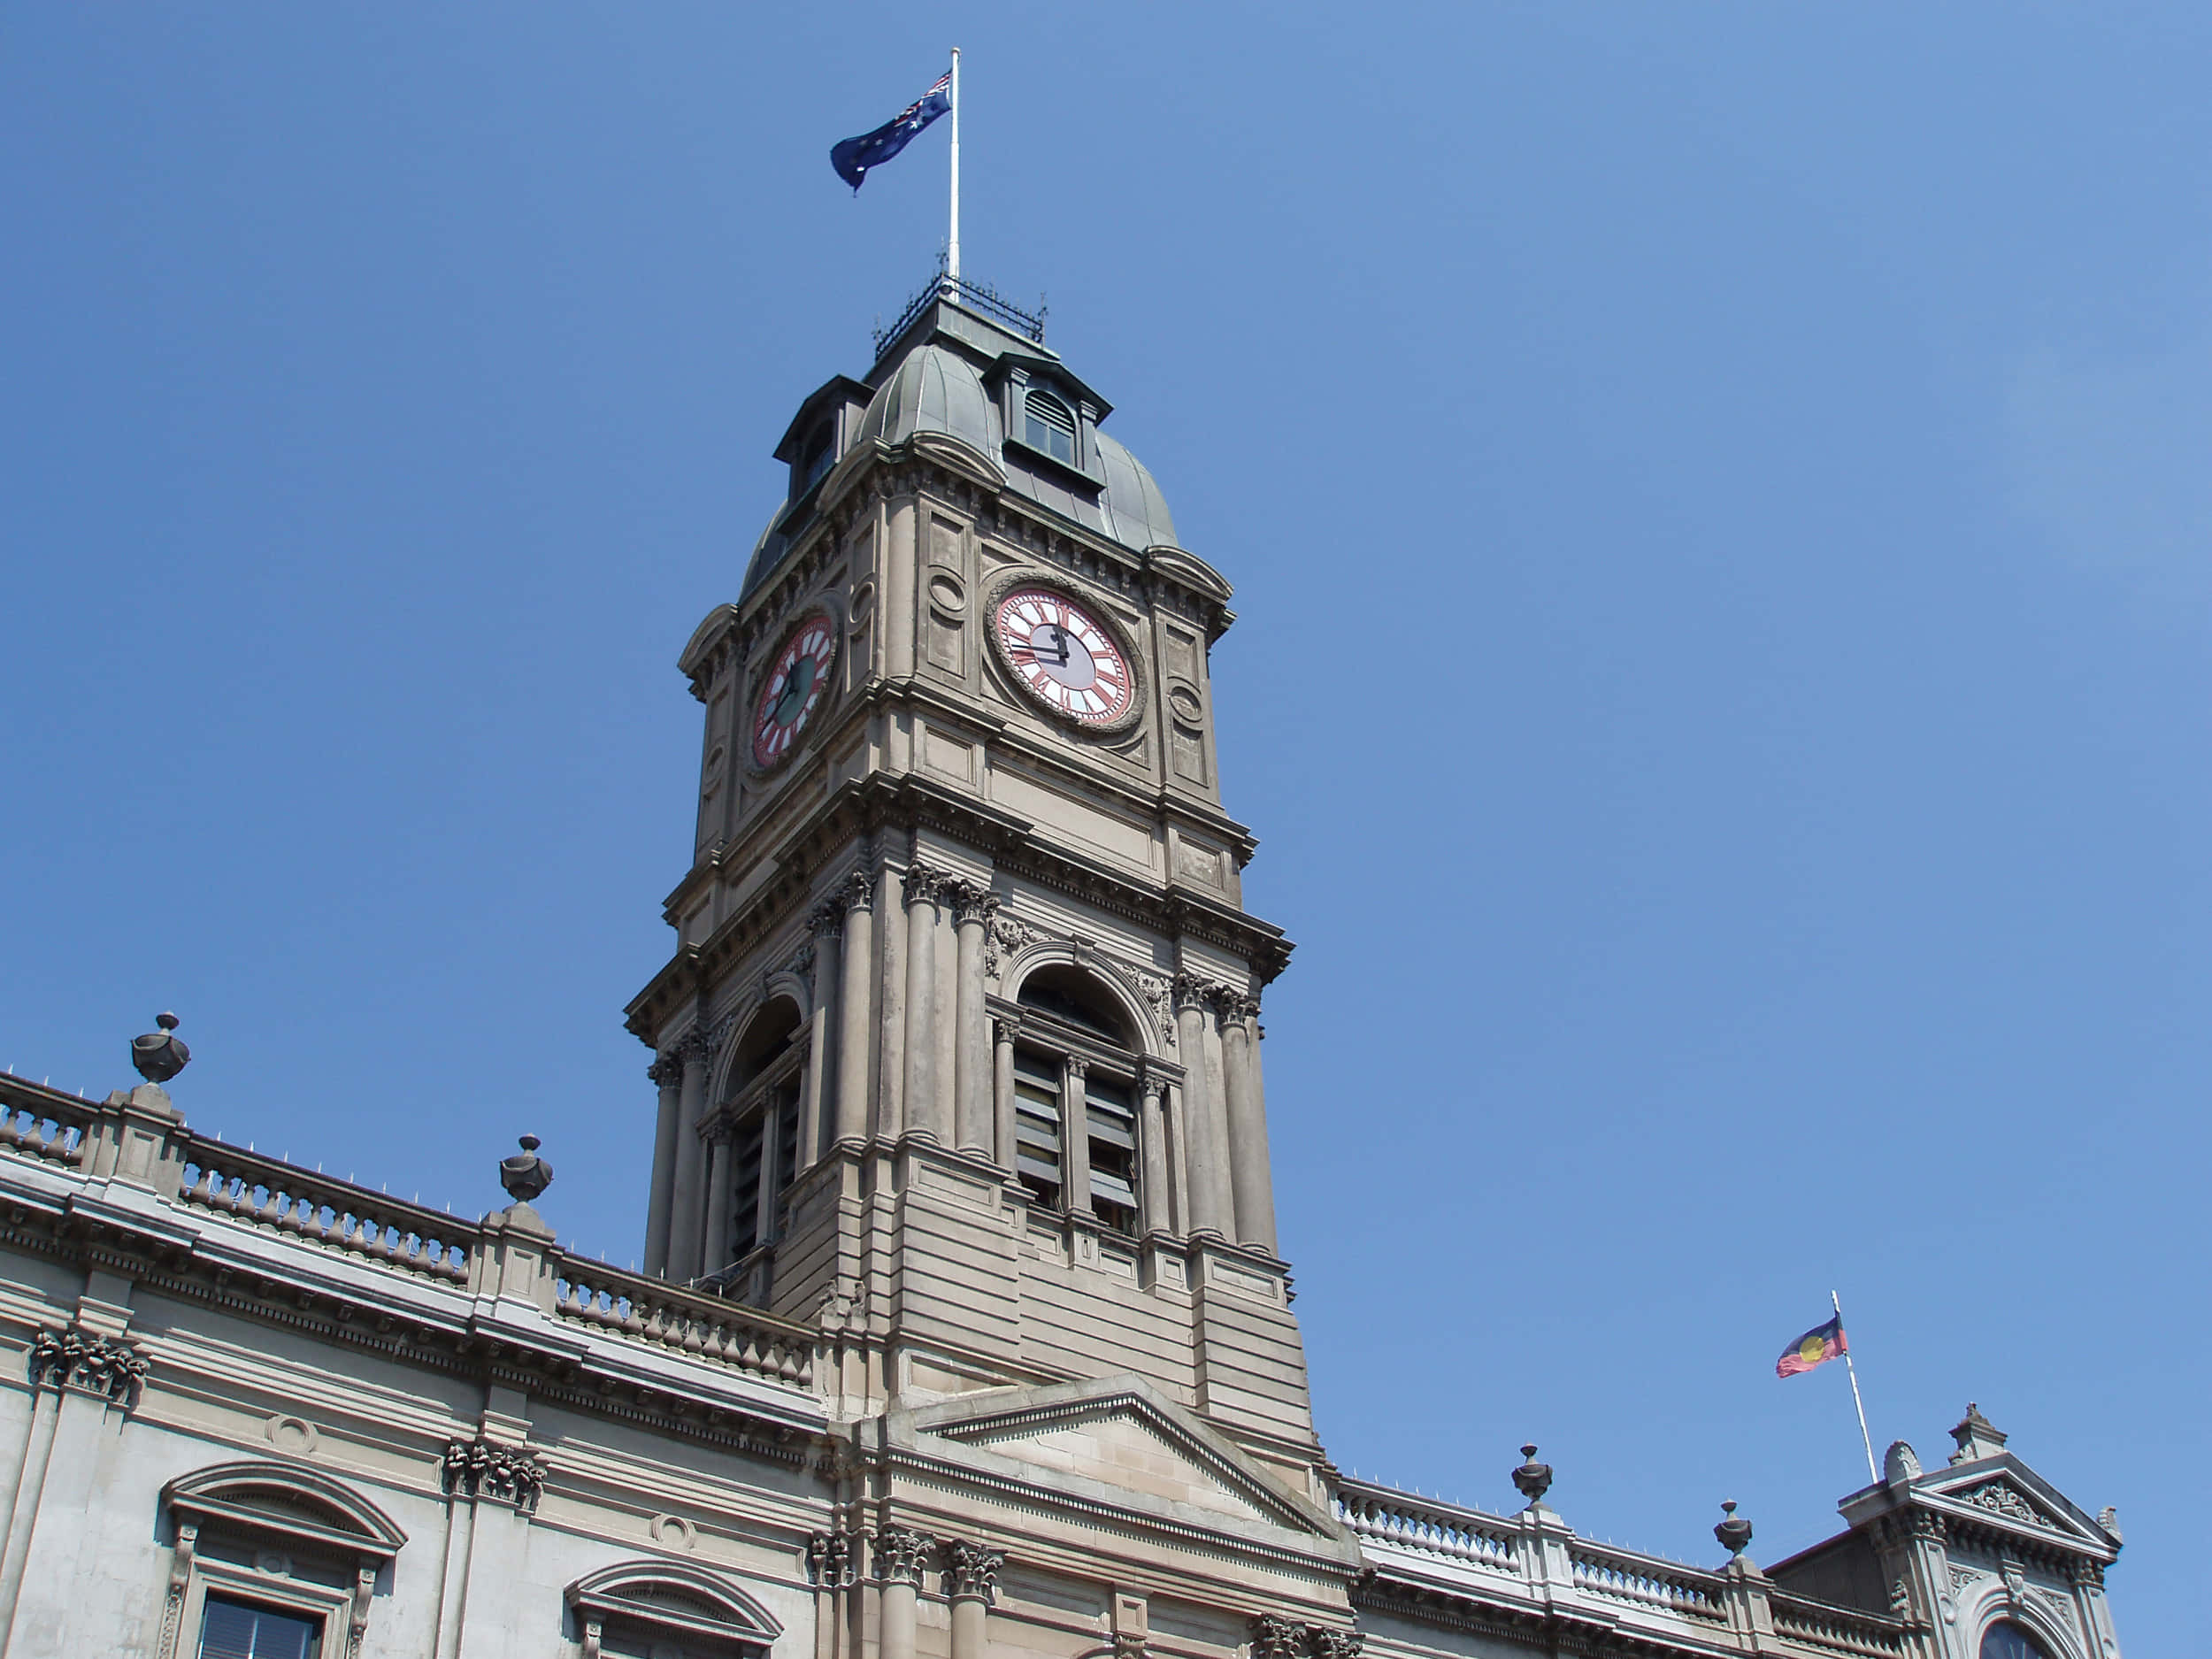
pixel 1719 501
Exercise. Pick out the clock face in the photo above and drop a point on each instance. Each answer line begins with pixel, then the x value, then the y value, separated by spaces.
pixel 793 692
pixel 1066 655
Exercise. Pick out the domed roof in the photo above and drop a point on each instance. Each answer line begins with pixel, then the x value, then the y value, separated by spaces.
pixel 935 388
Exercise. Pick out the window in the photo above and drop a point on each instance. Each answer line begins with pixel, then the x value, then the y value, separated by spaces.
pixel 1047 425
pixel 2007 1640
pixel 1037 1082
pixel 1112 1123
pixel 816 459
pixel 272 1561
pixel 238 1630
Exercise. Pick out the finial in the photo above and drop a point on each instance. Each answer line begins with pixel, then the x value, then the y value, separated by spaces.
pixel 1533 1478
pixel 1977 1436
pixel 1733 1531
pixel 159 1055
pixel 526 1175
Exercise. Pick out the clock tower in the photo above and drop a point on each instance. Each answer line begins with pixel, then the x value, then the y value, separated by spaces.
pixel 958 1052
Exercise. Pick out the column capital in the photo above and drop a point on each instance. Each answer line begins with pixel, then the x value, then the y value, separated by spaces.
pixel 900 1554
pixel 972 904
pixel 666 1071
pixel 1004 1026
pixel 826 920
pixel 972 1571
pixel 1232 1006
pixel 922 884
pixel 1324 1643
pixel 696 1044
pixel 1077 1066
pixel 1274 1637
pixel 503 1474
pixel 1190 992
pixel 1152 1083
pixel 109 1366
pixel 857 891
pixel 829 1559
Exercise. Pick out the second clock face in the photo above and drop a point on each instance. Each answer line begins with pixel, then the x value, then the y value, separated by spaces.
pixel 793 692
pixel 1066 655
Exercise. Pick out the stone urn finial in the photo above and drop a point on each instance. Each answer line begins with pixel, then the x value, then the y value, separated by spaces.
pixel 1533 1478
pixel 1733 1531
pixel 524 1175
pixel 160 1056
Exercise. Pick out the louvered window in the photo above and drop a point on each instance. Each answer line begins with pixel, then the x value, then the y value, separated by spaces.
pixel 1047 425
pixel 237 1630
pixel 1111 1118
pixel 1037 1083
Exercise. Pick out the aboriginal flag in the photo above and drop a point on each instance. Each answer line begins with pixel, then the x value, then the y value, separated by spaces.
pixel 1816 1347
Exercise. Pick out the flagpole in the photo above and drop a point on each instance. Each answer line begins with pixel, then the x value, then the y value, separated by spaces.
pixel 952 244
pixel 1873 1474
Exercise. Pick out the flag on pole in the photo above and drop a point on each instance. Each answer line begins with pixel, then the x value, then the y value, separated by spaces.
pixel 1816 1347
pixel 854 157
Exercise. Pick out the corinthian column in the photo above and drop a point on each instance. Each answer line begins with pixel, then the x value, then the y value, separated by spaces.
pixel 820 1104
pixel 667 1074
pixel 1251 1182
pixel 1152 1145
pixel 855 1008
pixel 971 1055
pixel 1204 1151
pixel 899 1553
pixel 971 1580
pixel 687 1212
pixel 925 1112
pixel 1002 1030
pixel 714 1245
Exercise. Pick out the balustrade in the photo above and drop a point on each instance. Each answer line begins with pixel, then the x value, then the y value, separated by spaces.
pixel 267 1192
pixel 689 1322
pixel 1392 1518
pixel 1627 1576
pixel 1823 1624
pixel 44 1123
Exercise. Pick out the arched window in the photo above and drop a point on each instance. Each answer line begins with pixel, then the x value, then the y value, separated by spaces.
pixel 1076 1080
pixel 665 1609
pixel 272 1560
pixel 1049 425
pixel 2007 1640
pixel 759 1127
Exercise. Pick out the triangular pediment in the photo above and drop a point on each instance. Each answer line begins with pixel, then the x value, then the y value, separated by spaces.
pixel 2006 1492
pixel 1119 1433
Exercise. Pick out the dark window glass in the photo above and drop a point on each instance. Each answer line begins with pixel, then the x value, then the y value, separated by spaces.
pixel 787 1139
pixel 745 1201
pixel 2007 1640
pixel 237 1630
pixel 1048 425
pixel 821 451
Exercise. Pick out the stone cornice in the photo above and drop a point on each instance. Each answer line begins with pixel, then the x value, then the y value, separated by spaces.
pixel 908 801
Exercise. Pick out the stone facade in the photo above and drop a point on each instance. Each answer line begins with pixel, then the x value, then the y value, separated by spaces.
pixel 965 1330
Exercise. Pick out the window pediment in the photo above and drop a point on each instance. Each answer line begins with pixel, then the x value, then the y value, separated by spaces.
pixel 697 1611
pixel 298 1504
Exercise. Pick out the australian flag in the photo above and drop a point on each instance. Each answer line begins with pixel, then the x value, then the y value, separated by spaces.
pixel 854 157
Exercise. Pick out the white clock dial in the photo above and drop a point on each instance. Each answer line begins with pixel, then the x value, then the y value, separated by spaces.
pixel 1068 658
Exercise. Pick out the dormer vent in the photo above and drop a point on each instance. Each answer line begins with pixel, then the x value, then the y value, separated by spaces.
pixel 1049 425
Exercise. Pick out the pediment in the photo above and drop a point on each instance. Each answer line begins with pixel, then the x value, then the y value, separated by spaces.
pixel 2006 1492
pixel 1119 1433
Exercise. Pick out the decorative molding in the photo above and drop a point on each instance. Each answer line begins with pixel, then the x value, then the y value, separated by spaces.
pixel 2085 1571
pixel 505 1474
pixel 1929 1526
pixel 666 1071
pixel 972 1571
pixel 107 1366
pixel 2000 1497
pixel 826 920
pixel 1274 1637
pixel 829 1560
pixel 1964 1579
pixel 900 1554
pixel 1324 1643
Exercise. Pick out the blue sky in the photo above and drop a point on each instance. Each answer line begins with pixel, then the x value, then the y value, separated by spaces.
pixel 1718 502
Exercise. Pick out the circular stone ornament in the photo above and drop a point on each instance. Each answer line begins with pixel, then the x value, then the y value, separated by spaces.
pixel 1066 656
